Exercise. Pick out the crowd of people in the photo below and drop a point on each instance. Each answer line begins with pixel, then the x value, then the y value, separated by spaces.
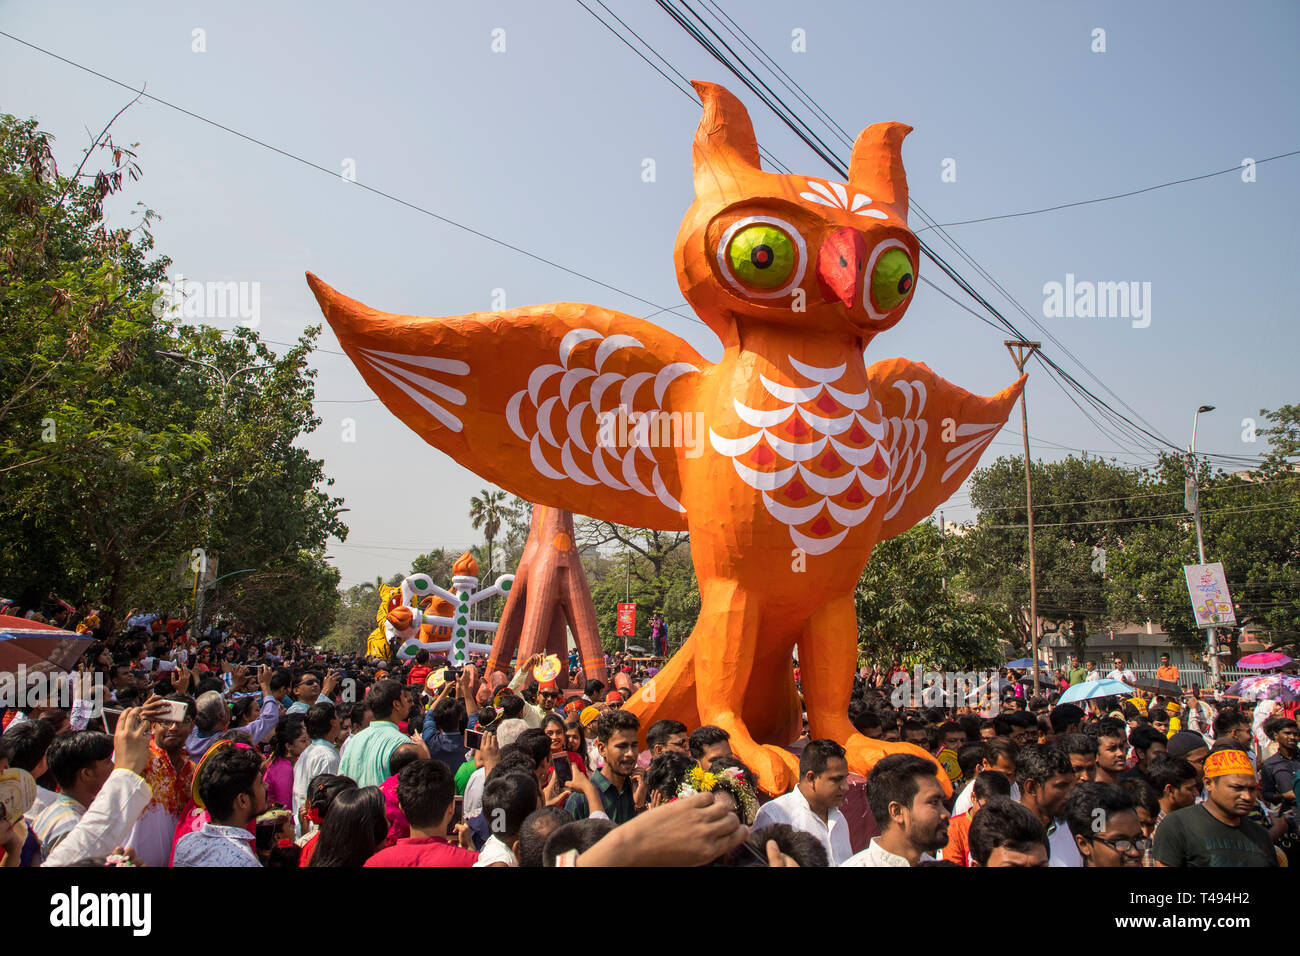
pixel 237 752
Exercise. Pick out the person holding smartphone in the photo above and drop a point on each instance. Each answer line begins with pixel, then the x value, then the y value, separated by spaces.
pixel 564 761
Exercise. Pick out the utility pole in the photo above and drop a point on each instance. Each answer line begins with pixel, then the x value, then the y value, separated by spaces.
pixel 1021 351
pixel 943 582
pixel 1193 502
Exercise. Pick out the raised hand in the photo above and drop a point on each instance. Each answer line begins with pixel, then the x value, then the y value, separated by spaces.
pixel 692 831
pixel 131 740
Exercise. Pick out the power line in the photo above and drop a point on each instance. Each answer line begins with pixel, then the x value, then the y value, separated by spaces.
pixel 848 141
pixel 686 90
pixel 1134 192
pixel 956 278
pixel 814 142
pixel 1154 494
pixel 333 175
pixel 1178 514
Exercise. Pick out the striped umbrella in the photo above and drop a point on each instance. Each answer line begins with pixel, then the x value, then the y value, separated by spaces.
pixel 41 647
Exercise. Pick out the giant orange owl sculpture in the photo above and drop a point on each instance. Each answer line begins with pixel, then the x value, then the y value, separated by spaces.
pixel 787 460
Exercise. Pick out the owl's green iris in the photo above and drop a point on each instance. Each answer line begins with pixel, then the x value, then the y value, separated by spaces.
pixel 892 279
pixel 761 256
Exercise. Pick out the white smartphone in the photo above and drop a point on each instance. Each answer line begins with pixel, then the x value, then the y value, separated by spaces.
pixel 176 710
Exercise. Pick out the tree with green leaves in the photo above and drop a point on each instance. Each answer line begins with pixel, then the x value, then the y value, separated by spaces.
pixel 1250 522
pixel 115 463
pixel 1083 509
pixel 1111 542
pixel 488 510
pixel 912 606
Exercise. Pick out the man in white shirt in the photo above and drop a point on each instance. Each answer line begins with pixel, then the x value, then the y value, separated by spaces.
pixel 1121 673
pixel 507 732
pixel 908 804
pixel 321 755
pixel 107 822
pixel 1046 778
pixel 28 741
pixel 531 714
pixel 81 763
pixel 1093 673
pixel 507 801
pixel 813 805
pixel 999 757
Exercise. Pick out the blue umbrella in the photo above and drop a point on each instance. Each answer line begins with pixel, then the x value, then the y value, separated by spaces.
pixel 1092 689
pixel 1026 662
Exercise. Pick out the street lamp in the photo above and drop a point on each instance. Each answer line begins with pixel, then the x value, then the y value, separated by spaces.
pixel 180 358
pixel 200 593
pixel 1211 633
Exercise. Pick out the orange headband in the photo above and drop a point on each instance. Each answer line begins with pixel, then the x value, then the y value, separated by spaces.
pixel 1227 761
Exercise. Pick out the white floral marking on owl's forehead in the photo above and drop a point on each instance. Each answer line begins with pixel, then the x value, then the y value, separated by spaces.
pixel 836 195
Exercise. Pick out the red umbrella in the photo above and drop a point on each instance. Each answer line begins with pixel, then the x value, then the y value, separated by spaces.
pixel 41 647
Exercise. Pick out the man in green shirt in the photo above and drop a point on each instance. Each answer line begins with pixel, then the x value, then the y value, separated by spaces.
pixel 366 757
pixel 1218 832
pixel 1077 673
pixel 619 781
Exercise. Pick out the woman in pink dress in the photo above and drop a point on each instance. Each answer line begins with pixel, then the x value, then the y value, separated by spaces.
pixel 289 741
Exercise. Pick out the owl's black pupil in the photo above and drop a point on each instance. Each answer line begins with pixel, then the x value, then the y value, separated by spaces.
pixel 761 257
pixel 904 284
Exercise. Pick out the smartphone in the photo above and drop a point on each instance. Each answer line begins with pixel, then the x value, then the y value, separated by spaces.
pixel 474 739
pixel 457 816
pixel 563 769
pixel 110 725
pixel 176 710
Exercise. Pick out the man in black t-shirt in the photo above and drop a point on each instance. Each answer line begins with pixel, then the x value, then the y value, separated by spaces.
pixel 1279 772
pixel 1218 831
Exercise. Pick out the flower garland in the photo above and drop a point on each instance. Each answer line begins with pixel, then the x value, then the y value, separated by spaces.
pixel 732 781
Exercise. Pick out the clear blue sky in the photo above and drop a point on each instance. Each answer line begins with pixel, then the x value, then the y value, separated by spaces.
pixel 542 146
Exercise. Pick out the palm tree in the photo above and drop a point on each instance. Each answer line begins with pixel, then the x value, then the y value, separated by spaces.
pixel 488 511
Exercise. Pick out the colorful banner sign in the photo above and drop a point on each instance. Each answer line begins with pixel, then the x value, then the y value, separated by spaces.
pixel 1208 587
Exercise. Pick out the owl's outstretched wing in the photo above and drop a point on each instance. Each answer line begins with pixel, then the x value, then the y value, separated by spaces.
pixel 543 401
pixel 936 432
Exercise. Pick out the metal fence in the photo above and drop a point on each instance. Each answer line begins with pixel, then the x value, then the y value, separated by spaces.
pixel 1187 676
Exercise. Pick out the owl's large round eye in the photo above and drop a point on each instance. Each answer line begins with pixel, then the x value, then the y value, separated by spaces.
pixel 892 279
pixel 762 256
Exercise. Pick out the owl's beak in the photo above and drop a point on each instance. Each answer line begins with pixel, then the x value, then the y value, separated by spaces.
pixel 839 266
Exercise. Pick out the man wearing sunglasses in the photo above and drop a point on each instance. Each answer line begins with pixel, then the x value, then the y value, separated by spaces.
pixel 309 689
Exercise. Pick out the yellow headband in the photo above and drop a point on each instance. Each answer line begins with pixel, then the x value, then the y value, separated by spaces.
pixel 1224 762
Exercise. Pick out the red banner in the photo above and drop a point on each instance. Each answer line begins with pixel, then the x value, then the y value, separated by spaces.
pixel 626 621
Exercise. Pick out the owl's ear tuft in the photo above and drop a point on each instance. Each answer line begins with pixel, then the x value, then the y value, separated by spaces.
pixel 877 164
pixel 724 140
